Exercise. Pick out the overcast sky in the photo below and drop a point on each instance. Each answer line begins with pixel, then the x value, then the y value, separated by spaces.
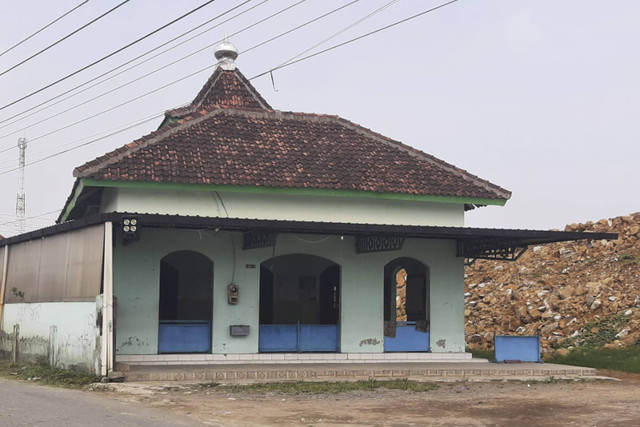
pixel 538 96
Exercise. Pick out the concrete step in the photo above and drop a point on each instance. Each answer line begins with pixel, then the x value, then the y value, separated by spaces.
pixel 433 371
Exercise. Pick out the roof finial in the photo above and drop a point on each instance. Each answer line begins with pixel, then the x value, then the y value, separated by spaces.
pixel 226 53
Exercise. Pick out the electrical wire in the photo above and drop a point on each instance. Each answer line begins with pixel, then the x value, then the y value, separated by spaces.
pixel 30 217
pixel 157 89
pixel 86 67
pixel 34 110
pixel 59 153
pixel 331 12
pixel 38 217
pixel 91 100
pixel 112 108
pixel 62 39
pixel 111 131
pixel 173 63
pixel 45 27
pixel 354 39
pixel 259 75
pixel 312 242
pixel 348 27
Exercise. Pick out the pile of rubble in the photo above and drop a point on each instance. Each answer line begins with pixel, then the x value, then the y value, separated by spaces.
pixel 569 293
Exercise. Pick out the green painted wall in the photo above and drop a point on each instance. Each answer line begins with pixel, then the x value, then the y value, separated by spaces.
pixel 283 206
pixel 136 278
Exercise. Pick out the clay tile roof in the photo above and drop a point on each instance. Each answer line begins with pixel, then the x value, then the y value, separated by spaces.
pixel 224 89
pixel 229 135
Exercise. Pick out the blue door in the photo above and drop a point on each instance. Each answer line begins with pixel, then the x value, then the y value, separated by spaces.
pixel 299 305
pixel 186 336
pixel 407 339
pixel 185 303
pixel 299 338
pixel 406 306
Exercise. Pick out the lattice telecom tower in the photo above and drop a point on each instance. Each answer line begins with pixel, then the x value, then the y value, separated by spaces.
pixel 20 200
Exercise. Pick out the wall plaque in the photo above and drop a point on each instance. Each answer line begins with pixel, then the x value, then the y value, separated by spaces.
pixel 259 239
pixel 378 243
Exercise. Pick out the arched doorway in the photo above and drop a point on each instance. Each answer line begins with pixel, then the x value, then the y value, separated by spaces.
pixel 406 305
pixel 299 304
pixel 186 303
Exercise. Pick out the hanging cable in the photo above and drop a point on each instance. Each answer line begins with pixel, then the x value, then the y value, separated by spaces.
pixel 353 39
pixel 30 217
pixel 331 12
pixel 34 110
pixel 259 75
pixel 86 67
pixel 80 146
pixel 157 70
pixel 348 27
pixel 160 88
pixel 45 27
pixel 111 131
pixel 62 39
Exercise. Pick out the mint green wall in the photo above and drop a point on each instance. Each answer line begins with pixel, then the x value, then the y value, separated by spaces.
pixel 136 285
pixel 283 206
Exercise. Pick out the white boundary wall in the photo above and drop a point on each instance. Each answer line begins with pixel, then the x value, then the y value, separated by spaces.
pixel 63 332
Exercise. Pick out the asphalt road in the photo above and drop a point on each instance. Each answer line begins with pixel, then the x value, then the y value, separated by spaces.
pixel 32 405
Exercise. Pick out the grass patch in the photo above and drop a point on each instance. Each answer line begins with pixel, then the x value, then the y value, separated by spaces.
pixel 329 387
pixel 45 374
pixel 596 334
pixel 628 259
pixel 624 359
pixel 481 353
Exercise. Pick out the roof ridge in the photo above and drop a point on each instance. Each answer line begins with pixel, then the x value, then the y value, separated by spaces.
pixel 208 88
pixel 254 92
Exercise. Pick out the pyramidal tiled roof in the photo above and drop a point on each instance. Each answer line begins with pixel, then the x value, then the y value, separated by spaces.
pixel 229 135
pixel 224 89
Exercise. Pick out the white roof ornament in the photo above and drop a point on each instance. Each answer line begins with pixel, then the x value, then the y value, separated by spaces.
pixel 226 53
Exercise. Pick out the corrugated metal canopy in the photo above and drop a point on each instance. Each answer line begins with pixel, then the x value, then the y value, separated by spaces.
pixel 468 239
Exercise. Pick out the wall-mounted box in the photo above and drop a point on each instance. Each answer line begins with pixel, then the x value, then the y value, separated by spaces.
pixel 232 293
pixel 239 330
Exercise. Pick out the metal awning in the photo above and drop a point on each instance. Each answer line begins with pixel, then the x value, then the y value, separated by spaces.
pixel 489 243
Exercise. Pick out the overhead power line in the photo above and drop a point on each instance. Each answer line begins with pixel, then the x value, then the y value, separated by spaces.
pixel 45 27
pixel 58 153
pixel 331 12
pixel 13 216
pixel 62 39
pixel 86 67
pixel 183 58
pixel 36 109
pixel 348 27
pixel 111 132
pixel 117 74
pixel 157 89
pixel 402 21
pixel 31 217
pixel 252 78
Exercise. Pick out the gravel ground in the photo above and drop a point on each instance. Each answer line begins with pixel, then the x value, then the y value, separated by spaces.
pixel 594 403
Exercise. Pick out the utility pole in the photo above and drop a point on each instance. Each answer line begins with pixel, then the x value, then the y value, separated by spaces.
pixel 20 200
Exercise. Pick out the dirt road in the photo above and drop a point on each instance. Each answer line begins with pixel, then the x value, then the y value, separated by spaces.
pixel 593 403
